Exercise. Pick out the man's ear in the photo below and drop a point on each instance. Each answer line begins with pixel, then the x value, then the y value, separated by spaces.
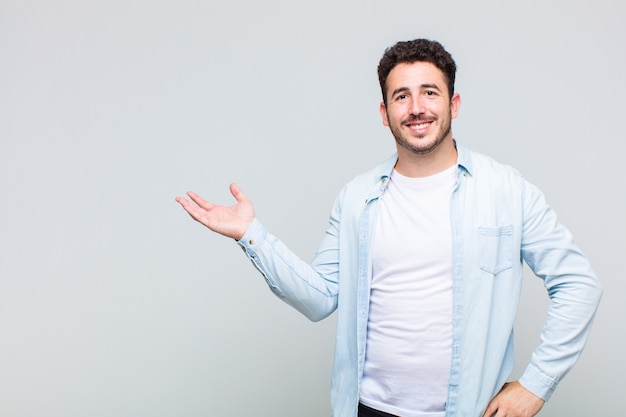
pixel 383 113
pixel 455 104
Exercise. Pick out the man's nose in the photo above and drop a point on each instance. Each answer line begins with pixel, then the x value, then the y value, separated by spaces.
pixel 417 105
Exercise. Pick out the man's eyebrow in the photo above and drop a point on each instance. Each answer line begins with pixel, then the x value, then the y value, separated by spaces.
pixel 400 90
pixel 405 89
pixel 434 86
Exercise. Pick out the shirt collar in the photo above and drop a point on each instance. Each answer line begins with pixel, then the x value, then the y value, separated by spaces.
pixel 464 158
pixel 464 162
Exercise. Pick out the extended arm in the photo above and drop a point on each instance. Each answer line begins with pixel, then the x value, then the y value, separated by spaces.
pixel 311 289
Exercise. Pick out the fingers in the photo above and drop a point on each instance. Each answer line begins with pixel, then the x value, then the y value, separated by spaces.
pixel 493 406
pixel 200 201
pixel 191 209
pixel 514 400
pixel 183 202
pixel 491 409
pixel 234 190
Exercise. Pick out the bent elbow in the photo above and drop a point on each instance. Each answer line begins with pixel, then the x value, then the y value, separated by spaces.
pixel 318 316
pixel 598 293
pixel 318 311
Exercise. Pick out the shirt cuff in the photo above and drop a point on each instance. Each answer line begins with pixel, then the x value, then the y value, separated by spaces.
pixel 253 237
pixel 538 383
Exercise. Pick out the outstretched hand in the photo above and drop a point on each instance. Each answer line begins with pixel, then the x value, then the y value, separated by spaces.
pixel 230 221
pixel 514 400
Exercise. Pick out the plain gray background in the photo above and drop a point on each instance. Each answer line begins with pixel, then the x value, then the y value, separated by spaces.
pixel 113 302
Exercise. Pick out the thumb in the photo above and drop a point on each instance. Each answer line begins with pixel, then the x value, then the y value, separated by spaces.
pixel 237 193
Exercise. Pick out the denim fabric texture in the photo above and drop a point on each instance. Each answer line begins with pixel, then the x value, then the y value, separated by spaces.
pixel 499 220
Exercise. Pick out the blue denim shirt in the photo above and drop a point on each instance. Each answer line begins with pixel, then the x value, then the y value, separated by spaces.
pixel 498 221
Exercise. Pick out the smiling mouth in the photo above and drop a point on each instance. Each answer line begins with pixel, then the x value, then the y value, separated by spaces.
pixel 419 126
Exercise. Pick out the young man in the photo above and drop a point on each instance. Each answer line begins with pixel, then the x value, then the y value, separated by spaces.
pixel 423 261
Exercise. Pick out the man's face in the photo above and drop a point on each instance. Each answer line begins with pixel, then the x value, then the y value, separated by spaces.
pixel 419 111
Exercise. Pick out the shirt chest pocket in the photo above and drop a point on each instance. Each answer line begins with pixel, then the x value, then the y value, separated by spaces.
pixel 495 248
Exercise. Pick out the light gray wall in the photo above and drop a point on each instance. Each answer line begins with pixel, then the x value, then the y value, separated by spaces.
pixel 113 302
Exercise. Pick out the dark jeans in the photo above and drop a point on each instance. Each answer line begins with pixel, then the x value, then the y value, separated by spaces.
pixel 365 411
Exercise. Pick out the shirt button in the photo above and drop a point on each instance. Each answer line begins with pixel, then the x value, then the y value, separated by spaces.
pixel 251 241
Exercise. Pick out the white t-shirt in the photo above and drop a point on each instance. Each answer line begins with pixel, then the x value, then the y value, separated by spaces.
pixel 409 337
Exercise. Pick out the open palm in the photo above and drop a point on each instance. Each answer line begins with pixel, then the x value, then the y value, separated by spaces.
pixel 232 221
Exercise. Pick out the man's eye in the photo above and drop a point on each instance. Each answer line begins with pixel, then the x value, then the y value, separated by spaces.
pixel 402 96
pixel 430 93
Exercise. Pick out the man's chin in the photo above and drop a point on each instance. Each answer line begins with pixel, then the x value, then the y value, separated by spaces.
pixel 419 148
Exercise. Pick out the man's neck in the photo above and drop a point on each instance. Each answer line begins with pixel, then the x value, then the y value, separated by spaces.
pixel 417 165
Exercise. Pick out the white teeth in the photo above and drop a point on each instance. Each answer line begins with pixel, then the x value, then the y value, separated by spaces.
pixel 420 126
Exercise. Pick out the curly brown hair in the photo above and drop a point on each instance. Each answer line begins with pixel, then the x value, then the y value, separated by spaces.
pixel 417 50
